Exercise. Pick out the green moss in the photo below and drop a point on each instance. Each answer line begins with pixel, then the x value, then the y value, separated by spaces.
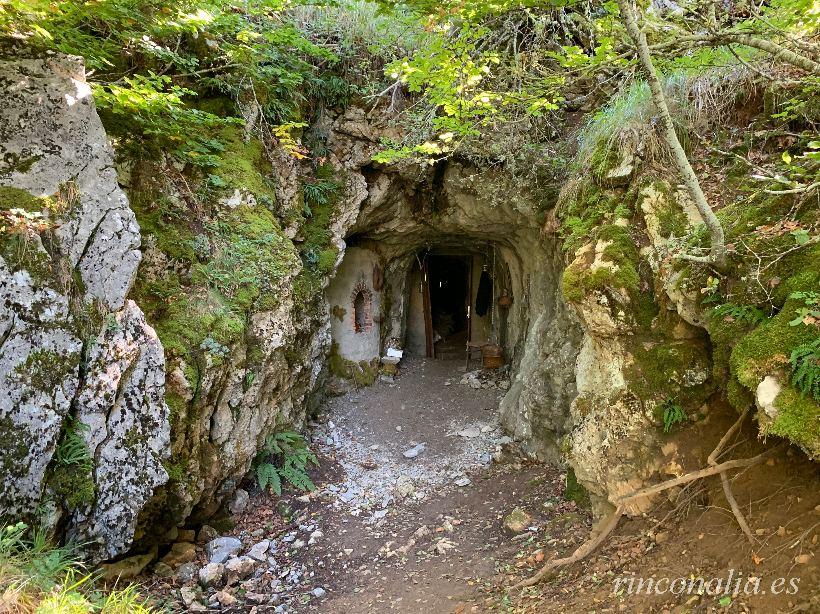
pixel 620 254
pixel 672 221
pixel 317 251
pixel 244 165
pixel 46 370
pixel 69 476
pixel 603 159
pixel 798 419
pixel 72 487
pixel 671 369
pixel 574 491
pixel 20 252
pixel 177 406
pixel 739 397
pixel 587 210
pixel 177 472
pixel 169 225
pixel 724 332
pixel 17 163
pixel 767 347
pixel 15 198
pixel 362 373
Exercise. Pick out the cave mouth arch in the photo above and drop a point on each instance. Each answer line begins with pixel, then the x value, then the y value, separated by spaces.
pixel 409 226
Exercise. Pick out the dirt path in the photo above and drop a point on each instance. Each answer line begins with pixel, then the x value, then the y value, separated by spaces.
pixel 422 533
pixel 416 481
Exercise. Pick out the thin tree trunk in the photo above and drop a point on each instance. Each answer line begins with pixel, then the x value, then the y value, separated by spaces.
pixel 690 179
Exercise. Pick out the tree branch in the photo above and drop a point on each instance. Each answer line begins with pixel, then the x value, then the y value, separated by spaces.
pixel 690 179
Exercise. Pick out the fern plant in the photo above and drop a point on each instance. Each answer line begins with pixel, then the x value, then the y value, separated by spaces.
pixel 805 363
pixel 318 193
pixel 672 414
pixel 286 456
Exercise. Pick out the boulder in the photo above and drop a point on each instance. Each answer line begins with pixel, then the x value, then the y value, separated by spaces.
pixel 517 521
pixel 188 596
pixel 181 552
pixel 162 570
pixel 128 568
pixel 212 575
pixel 259 549
pixel 187 572
pixel 222 548
pixel 206 534
pixel 51 137
pixel 186 535
pixel 239 502
pixel 239 568
pixel 39 375
pixel 225 599
pixel 122 400
pixel 53 147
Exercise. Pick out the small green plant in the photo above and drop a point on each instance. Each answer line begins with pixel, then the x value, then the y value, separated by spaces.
pixel 72 451
pixel 318 193
pixel 286 455
pixel 672 414
pixel 70 475
pixel 810 312
pixel 740 313
pixel 805 363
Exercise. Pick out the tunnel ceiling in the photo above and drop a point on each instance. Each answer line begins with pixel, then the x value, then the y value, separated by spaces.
pixel 402 217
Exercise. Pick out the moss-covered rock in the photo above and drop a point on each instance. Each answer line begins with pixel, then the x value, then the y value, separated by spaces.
pixel 362 373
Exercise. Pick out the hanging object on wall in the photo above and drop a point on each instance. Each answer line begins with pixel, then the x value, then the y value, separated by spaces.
pixel 484 294
pixel 505 301
pixel 378 278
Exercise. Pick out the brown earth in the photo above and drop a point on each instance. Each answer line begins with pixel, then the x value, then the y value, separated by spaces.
pixel 447 552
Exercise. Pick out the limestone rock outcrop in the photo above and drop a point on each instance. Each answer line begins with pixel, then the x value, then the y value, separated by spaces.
pixel 83 420
pixel 51 138
pixel 39 374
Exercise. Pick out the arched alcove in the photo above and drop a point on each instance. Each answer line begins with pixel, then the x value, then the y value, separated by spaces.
pixel 362 306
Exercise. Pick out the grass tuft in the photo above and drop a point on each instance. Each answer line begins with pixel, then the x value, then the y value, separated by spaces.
pixel 38 577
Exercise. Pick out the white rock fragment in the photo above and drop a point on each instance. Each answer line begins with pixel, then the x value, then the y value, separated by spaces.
pixel 414 451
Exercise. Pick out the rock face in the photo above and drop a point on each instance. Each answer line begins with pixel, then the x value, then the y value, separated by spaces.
pixel 235 337
pixel 85 441
pixel 39 372
pixel 638 353
pixel 52 136
pixel 122 402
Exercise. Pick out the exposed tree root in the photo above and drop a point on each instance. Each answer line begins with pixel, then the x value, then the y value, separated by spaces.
pixel 715 468
pixel 585 549
pixel 730 497
pixel 724 478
